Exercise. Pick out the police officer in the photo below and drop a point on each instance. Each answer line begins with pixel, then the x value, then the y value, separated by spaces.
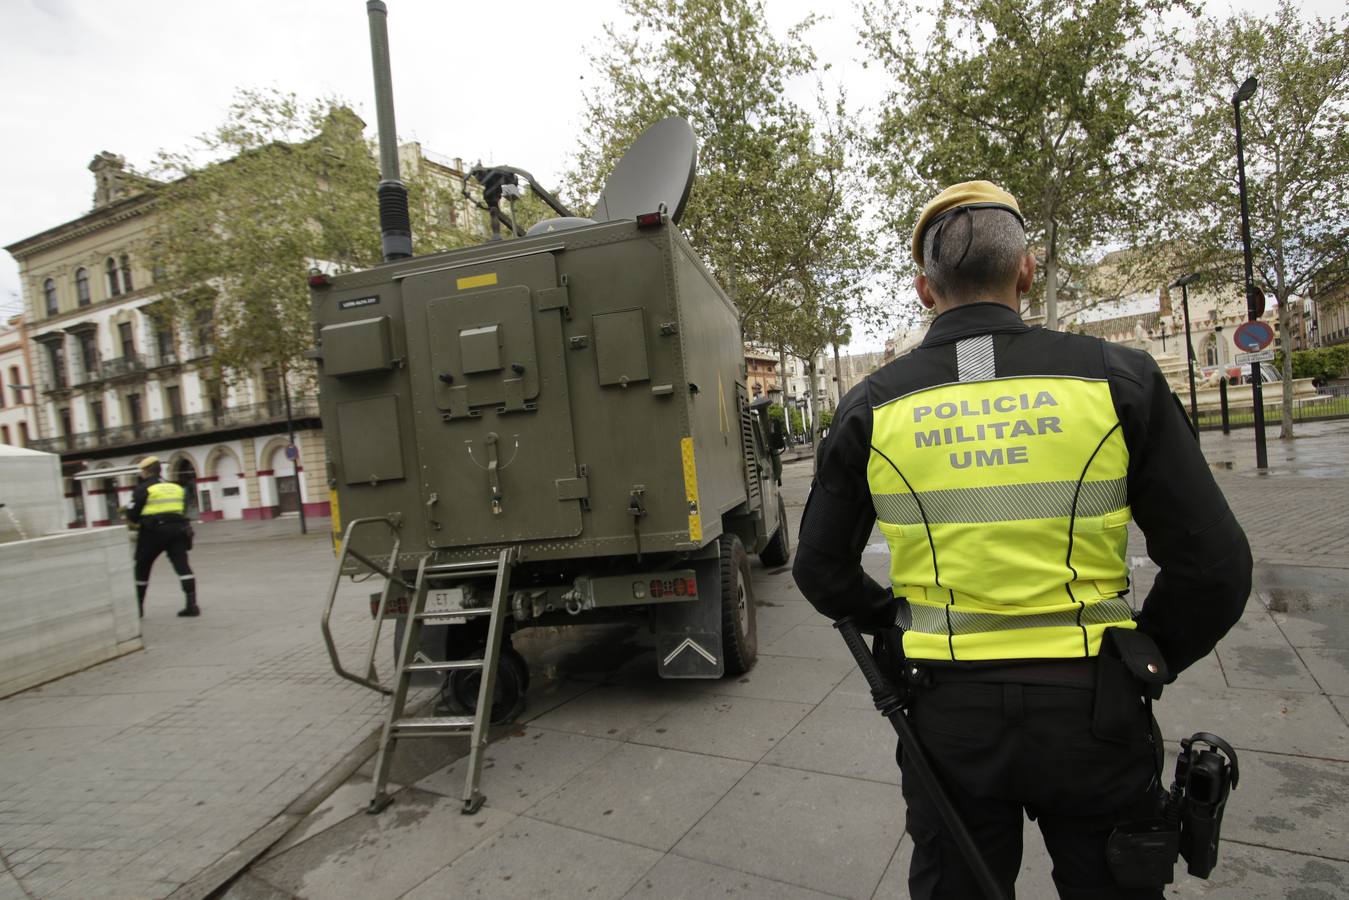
pixel 1002 464
pixel 160 509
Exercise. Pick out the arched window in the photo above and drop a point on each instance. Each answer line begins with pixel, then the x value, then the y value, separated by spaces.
pixel 49 296
pixel 82 286
pixel 1211 350
pixel 114 285
pixel 126 274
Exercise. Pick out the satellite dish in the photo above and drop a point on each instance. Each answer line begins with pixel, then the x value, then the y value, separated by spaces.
pixel 656 171
pixel 561 223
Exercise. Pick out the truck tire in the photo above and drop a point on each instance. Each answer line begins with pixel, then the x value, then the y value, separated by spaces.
pixel 779 547
pixel 461 688
pixel 739 636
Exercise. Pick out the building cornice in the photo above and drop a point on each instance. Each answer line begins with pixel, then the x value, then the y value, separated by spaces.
pixel 62 320
pixel 89 223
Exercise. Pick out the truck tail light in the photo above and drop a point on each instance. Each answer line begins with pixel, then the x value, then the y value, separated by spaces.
pixel 673 587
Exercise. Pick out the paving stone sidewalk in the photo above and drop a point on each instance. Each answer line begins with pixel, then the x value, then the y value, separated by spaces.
pixel 133 777
pixel 782 783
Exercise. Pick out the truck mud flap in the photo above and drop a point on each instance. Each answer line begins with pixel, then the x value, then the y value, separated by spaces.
pixel 688 635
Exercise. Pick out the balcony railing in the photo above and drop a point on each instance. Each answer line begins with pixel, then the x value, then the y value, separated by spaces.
pixel 202 423
pixel 131 364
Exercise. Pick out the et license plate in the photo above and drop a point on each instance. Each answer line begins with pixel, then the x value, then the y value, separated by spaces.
pixel 442 606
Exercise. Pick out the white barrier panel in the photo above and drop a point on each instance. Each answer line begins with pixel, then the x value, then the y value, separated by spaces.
pixel 30 489
pixel 67 602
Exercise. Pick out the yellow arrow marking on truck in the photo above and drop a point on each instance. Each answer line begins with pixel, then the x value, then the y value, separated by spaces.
pixel 337 518
pixel 472 281
pixel 691 490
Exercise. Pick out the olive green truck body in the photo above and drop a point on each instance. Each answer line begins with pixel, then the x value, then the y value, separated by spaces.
pixel 578 395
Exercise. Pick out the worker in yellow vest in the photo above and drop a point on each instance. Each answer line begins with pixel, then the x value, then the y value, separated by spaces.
pixel 1002 464
pixel 159 507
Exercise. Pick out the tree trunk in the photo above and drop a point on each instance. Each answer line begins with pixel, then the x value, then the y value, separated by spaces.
pixel 1285 330
pixel 814 376
pixel 782 382
pixel 838 379
pixel 1281 294
pixel 1052 277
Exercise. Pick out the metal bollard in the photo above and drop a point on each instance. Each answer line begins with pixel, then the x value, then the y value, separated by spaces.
pixel 1222 398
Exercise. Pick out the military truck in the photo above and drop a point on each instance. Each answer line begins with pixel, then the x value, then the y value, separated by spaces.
pixel 547 430
pixel 578 394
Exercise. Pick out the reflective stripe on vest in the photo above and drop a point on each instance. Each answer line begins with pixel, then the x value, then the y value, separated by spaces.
pixel 165 498
pixel 1004 505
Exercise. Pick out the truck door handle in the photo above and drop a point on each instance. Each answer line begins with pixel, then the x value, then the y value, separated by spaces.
pixel 494 472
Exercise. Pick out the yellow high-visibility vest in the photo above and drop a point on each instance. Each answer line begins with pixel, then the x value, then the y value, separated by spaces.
pixel 165 498
pixel 1005 508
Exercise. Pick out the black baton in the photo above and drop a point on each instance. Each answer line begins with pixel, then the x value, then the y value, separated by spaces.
pixel 913 751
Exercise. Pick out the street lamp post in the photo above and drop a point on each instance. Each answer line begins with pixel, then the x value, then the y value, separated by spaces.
pixel 293 452
pixel 1245 92
pixel 1184 283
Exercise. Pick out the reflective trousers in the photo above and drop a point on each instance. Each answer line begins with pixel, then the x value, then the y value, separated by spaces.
pixel 172 538
pixel 1005 750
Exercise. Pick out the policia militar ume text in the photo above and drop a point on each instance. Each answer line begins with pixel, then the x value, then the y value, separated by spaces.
pixel 1002 463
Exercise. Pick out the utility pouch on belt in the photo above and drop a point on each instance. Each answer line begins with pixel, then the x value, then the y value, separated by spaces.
pixel 1129 671
pixel 1142 854
pixel 887 648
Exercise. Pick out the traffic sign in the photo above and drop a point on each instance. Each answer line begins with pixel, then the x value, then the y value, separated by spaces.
pixel 292 452
pixel 1245 359
pixel 1251 336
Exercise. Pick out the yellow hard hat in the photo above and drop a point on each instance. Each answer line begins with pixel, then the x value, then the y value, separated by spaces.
pixel 148 462
pixel 966 195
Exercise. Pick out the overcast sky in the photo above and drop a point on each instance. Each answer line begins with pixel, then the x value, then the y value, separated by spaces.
pixel 501 82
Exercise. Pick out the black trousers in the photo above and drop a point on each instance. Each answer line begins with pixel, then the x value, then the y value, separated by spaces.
pixel 1007 749
pixel 172 538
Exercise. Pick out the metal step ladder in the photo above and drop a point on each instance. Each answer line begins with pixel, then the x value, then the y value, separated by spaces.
pixel 398 726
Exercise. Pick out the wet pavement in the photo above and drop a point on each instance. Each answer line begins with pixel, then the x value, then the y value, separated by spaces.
pixel 168 772
pixel 782 783
pixel 165 770
pixel 1316 450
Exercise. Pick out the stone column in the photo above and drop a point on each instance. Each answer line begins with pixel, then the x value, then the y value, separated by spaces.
pixel 314 474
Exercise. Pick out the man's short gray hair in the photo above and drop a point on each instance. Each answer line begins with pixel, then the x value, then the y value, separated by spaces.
pixel 990 265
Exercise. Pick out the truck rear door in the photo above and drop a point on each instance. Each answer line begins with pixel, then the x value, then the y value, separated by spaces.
pixel 490 393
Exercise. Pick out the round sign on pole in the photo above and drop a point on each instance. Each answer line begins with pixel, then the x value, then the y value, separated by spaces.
pixel 292 452
pixel 1252 336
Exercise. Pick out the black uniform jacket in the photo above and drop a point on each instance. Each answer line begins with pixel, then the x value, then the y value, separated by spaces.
pixel 1203 555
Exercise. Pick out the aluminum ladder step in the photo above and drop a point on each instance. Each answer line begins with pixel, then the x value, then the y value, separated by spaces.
pixel 471 613
pixel 461 570
pixel 432 726
pixel 452 665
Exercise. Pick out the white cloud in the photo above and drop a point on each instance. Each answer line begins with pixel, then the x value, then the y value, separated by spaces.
pixel 500 82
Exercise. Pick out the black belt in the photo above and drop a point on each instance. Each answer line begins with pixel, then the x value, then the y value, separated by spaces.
pixel 1055 673
pixel 161 520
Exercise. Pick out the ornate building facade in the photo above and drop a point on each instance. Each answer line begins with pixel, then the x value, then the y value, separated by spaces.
pixel 18 404
pixel 114 382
